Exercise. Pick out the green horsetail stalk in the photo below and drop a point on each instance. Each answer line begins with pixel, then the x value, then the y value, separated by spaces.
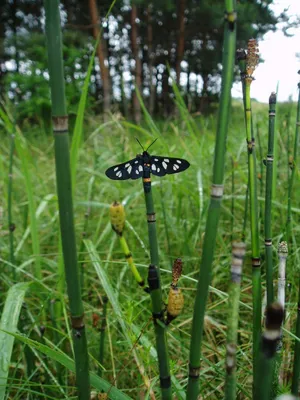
pixel 268 200
pixel 238 254
pixel 154 281
pixel 270 339
pixel 117 219
pixel 11 225
pixel 64 188
pixel 215 202
pixel 292 164
pixel 248 62
pixel 102 335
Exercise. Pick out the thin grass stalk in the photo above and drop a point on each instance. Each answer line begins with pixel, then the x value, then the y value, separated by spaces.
pixel 238 254
pixel 154 281
pixel 268 200
pixel 247 66
pixel 215 203
pixel 293 162
pixel 11 225
pixel 270 338
pixel 102 336
pixel 64 188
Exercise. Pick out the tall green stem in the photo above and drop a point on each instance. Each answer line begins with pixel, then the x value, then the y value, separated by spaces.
pixel 64 189
pixel 296 367
pixel 268 200
pixel 215 203
pixel 11 225
pixel 247 66
pixel 238 254
pixel 154 282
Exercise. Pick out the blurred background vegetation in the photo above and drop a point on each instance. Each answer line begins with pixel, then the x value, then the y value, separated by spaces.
pixel 144 44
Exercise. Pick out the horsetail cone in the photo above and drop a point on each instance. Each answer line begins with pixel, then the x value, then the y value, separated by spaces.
pixel 176 271
pixel 175 303
pixel 117 217
pixel 252 58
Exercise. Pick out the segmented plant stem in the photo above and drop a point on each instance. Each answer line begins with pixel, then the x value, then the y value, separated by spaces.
pixel 238 254
pixel 292 174
pixel 268 200
pixel 11 225
pixel 64 189
pixel 102 335
pixel 154 282
pixel 254 225
pixel 215 203
pixel 269 341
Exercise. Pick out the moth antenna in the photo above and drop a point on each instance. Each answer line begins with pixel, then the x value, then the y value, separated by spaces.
pixel 151 144
pixel 139 143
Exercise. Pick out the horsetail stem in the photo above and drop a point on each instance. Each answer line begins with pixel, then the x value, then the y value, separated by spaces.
pixel 270 338
pixel 268 200
pixel 64 189
pixel 11 225
pixel 238 254
pixel 154 282
pixel 248 63
pixel 215 202
pixel 117 218
pixel 292 164
pixel 102 335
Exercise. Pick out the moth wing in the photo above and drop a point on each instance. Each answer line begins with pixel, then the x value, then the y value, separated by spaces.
pixel 161 166
pixel 132 169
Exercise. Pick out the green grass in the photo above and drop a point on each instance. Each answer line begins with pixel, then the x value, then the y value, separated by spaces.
pixel 181 203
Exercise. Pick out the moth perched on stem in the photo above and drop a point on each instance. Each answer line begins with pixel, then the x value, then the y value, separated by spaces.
pixel 144 164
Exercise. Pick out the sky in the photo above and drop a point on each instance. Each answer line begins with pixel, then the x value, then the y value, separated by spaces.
pixel 280 61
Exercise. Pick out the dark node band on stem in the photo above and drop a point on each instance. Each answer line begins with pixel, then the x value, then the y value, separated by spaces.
pixel 268 242
pixel 165 382
pixel 60 124
pixel 77 322
pixel 12 227
pixel 194 372
pixel 231 18
pixel 159 315
pixel 153 280
pixel 151 217
pixel 272 113
pixel 256 262
pixel 128 255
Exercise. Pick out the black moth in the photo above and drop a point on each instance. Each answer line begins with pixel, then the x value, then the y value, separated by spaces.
pixel 143 164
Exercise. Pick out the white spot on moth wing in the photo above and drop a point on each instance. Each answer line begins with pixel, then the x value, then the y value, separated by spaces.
pixel 129 169
pixel 116 169
pixel 166 160
pixel 175 167
pixel 140 168
pixel 137 171
pixel 127 165
pixel 119 174
pixel 155 159
pixel 136 162
pixel 164 165
pixel 158 169
pixel 153 167
pixel 179 162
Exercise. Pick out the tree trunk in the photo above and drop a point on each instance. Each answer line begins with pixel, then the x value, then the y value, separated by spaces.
pixel 102 56
pixel 150 59
pixel 138 64
pixel 180 41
